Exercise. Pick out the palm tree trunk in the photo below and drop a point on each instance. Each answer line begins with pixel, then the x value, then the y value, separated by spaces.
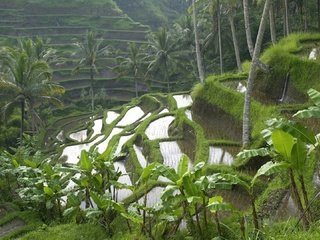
pixel 196 41
pixel 272 24
pixel 22 122
pixel 219 36
pixel 262 66
pixel 318 6
pixel 136 86
pixel 297 199
pixel 91 89
pixel 286 17
pixel 247 26
pixel 235 42
pixel 246 133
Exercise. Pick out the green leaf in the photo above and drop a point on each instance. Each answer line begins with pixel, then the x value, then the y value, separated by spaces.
pixel 85 163
pixel 148 172
pixel 310 112
pixel 169 191
pixel 133 217
pixel 69 212
pixel 48 169
pixel 48 191
pixel 314 96
pixel 313 111
pixel 216 204
pixel 101 202
pixel 299 131
pixel 283 143
pixel 30 163
pixel 190 187
pixel 270 168
pixel 183 165
pixel 167 172
pixel 249 153
pixel 194 199
pixel 299 156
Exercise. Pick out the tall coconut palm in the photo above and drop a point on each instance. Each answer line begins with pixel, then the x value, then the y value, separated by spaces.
pixel 261 65
pixel 286 18
pixel 197 44
pixel 26 82
pixel 163 55
pixel 90 51
pixel 131 65
pixel 272 24
pixel 252 73
pixel 230 6
pixel 214 9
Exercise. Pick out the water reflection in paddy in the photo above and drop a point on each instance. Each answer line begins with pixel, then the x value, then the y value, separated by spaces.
pixel 60 136
pixel 218 155
pixel 97 127
pixel 79 136
pixel 104 145
pixel 153 197
pixel 132 115
pixel 72 153
pixel 183 100
pixel 124 179
pixel 122 141
pixel 164 111
pixel 111 116
pixel 159 128
pixel 171 154
pixel 141 158
pixel 188 114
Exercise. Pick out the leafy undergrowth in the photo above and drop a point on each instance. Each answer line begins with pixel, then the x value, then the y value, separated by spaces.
pixel 70 231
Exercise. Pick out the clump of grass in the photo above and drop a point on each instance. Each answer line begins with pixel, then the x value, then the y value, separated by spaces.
pixel 68 231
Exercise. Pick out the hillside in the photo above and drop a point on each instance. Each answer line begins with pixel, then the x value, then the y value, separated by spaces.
pixel 152 12
pixel 64 23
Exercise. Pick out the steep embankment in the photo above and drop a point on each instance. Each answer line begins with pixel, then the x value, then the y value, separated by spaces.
pixel 153 12
pixel 63 23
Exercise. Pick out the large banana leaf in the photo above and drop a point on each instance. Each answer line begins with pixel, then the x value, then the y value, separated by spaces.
pixel 299 156
pixel 283 143
pixel 313 111
pixel 190 187
pixel 85 163
pixel 270 168
pixel 183 165
pixel 249 153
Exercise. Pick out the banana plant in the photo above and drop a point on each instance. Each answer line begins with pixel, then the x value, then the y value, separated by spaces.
pixel 97 174
pixel 312 111
pixel 175 192
pixel 215 205
pixel 289 145
pixel 187 193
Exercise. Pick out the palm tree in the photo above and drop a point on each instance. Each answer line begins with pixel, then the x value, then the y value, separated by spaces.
pixel 214 7
pixel 26 82
pixel 90 51
pixel 197 44
pixel 231 5
pixel 286 18
pixel 261 65
pixel 272 24
pixel 132 64
pixel 164 55
pixel 252 73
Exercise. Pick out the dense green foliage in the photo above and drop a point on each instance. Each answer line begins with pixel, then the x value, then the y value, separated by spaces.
pixel 104 187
